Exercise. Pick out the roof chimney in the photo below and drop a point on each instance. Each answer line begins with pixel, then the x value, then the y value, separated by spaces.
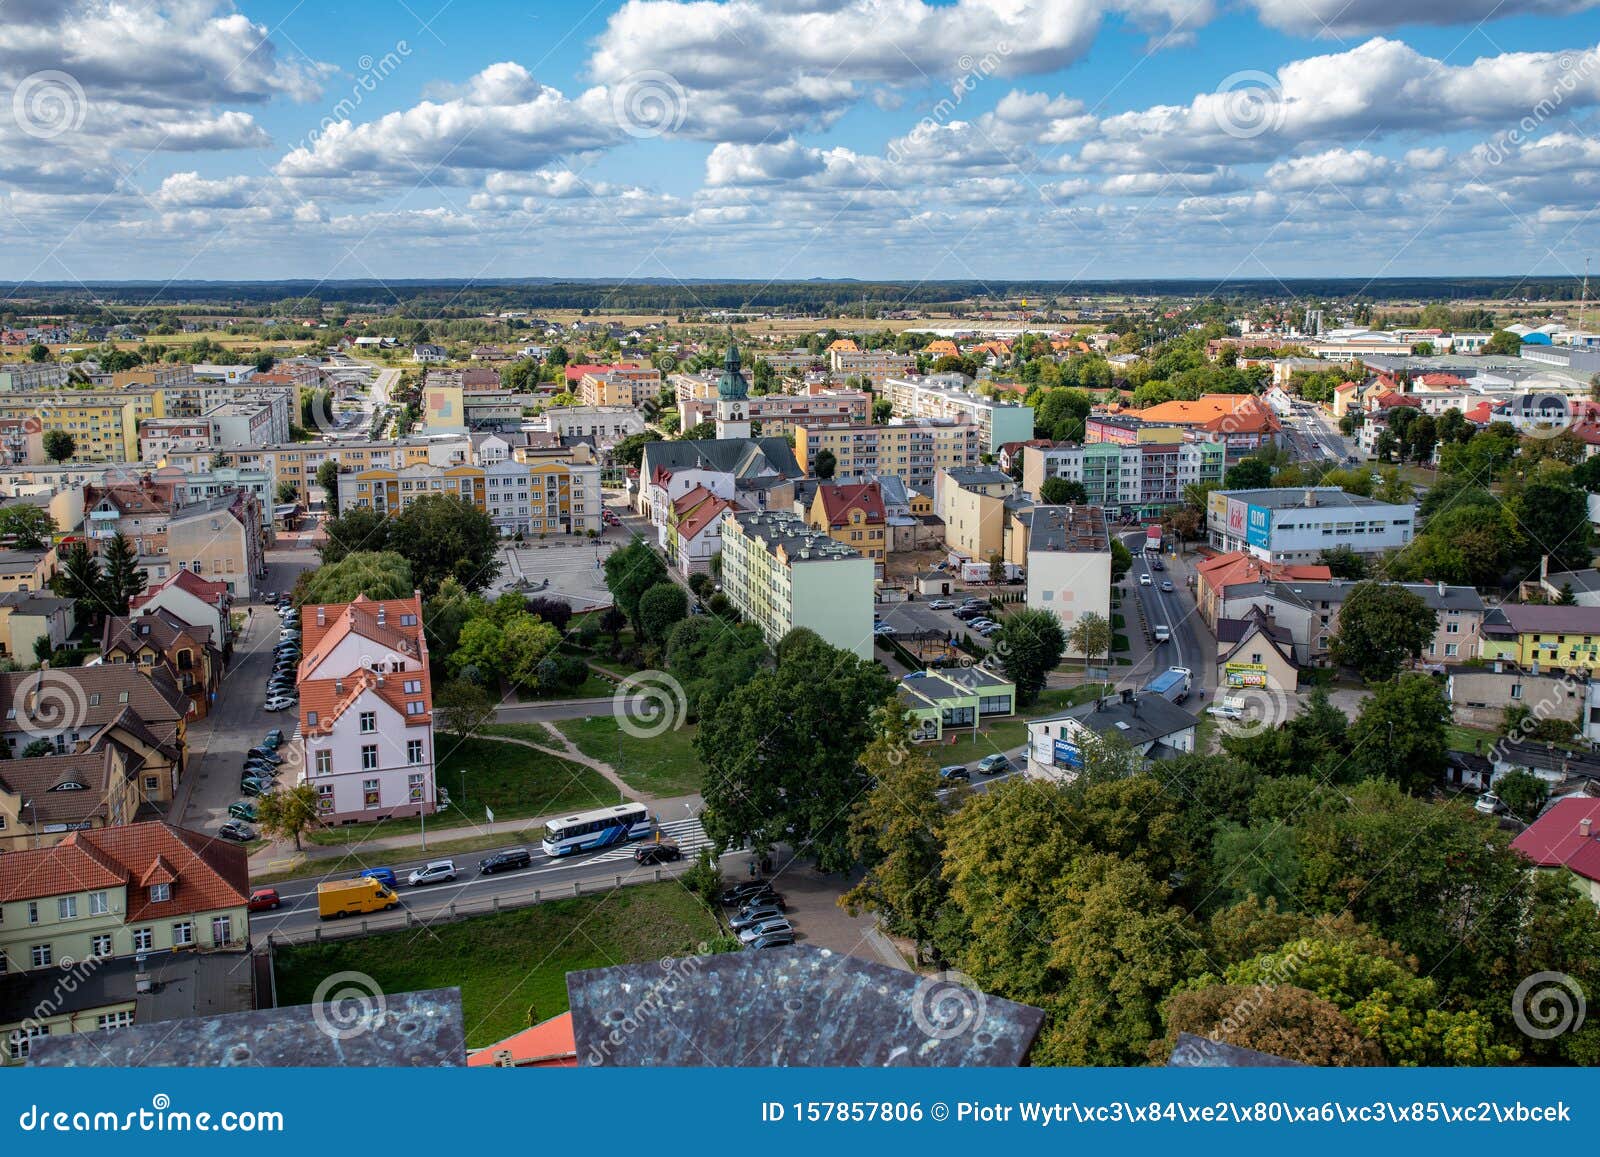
pixel 1441 587
pixel 383 614
pixel 1584 825
pixel 322 616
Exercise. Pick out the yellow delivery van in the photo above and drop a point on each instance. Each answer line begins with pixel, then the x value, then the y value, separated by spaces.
pixel 354 897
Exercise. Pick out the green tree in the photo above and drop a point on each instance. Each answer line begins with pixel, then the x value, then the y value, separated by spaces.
pixel 37 749
pixel 1554 518
pixel 1282 1020
pixel 1400 733
pixel 123 577
pixel 896 831
pixel 482 653
pixel 824 464
pixel 59 445
pixel 1030 644
pixel 462 708
pixel 445 536
pixel 529 642
pixel 997 569
pixel 376 574
pixel 1344 563
pixel 359 529
pixel 287 812
pixel 328 480
pixel 661 608
pixel 709 658
pixel 1121 560
pixel 287 491
pixel 1504 342
pixel 629 573
pixel 1248 474
pixel 81 580
pixel 1381 625
pixel 1062 492
pixel 1091 635
pixel 1523 793
pixel 39 352
pixel 29 526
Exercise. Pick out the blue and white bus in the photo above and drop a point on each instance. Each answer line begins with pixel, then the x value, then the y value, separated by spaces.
pixel 597 829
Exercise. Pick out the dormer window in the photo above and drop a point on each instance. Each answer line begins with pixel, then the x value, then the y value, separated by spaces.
pixel 160 893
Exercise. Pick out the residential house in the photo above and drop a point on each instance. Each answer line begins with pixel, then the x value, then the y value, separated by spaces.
pixel 1566 840
pixel 1255 653
pixel 27 570
pixel 203 602
pixel 366 710
pixel 1066 554
pixel 1544 639
pixel 853 513
pixel 159 638
pixel 140 511
pixel 1146 721
pixel 26 617
pixel 221 539
pixel 694 530
pixel 973 503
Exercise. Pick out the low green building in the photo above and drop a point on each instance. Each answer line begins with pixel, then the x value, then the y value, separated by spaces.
pixel 955 699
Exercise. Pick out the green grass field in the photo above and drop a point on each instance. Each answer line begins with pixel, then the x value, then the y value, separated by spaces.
pixel 511 967
pixel 515 781
pixel 663 766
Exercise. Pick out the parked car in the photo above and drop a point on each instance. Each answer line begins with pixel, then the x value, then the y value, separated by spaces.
pixel 745 891
pixel 437 872
pixel 273 739
pixel 384 876
pixel 234 830
pixel 988 629
pixel 1144 580
pixel 243 810
pixel 755 914
pixel 657 853
pixel 884 629
pixel 955 773
pixel 1489 804
pixel 263 900
pixel 270 597
pixel 994 764
pixel 256 786
pixel 771 940
pixel 507 861
pixel 941 605
pixel 277 703
pixel 271 757
pixel 765 928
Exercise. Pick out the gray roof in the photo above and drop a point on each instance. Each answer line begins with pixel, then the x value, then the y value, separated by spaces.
pixel 786 529
pixel 738 456
pixel 1198 1052
pixel 1143 717
pixel 798 1006
pixel 20 561
pixel 1529 618
pixel 1305 593
pixel 1546 757
pixel 977 475
pixel 1581 581
pixel 1075 529
pixel 34 602
pixel 1291 497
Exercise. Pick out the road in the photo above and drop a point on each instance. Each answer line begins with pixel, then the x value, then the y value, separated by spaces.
pixel 1312 435
pixel 551 877
pixel 1173 608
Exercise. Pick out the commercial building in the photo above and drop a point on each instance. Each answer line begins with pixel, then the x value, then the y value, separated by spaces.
pixel 1242 423
pixel 780 574
pixel 944 396
pixel 366 710
pixel 1066 553
pixel 1295 525
pixel 545 497
pixel 1544 639
pixel 1146 721
pixel 943 702
pixel 599 425
pixel 915 453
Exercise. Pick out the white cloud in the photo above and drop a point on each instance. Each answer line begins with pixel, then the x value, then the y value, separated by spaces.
pixel 1335 17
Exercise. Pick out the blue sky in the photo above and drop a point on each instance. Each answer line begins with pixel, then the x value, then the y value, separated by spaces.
pixel 897 139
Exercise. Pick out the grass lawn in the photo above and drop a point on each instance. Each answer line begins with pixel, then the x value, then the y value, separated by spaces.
pixel 665 765
pixel 511 967
pixel 1470 739
pixel 1012 731
pixel 541 733
pixel 516 781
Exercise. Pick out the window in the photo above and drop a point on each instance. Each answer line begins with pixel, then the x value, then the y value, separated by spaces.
pixel 101 945
pixel 142 939
pixel 369 757
pixel 221 929
pixel 413 687
pixel 369 793
pixel 33 911
pixel 41 955
pixel 98 906
pixel 324 763
pixel 152 783
pixel 67 908
pixel 414 751
pixel 160 893
pixel 21 1038
pixel 311 718
pixel 416 707
pixel 182 933
pixel 369 722
pixel 111 1020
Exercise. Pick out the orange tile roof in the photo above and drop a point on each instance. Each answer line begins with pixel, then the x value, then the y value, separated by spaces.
pixel 838 500
pixel 206 873
pixel 698 509
pixel 187 580
pixel 360 617
pixel 549 1044
pixel 942 347
pixel 845 345
pixel 1236 413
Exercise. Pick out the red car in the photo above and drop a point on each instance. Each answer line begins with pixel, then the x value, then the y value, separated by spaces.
pixel 263 900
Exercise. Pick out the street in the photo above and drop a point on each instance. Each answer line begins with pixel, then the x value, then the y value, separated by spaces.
pixel 1174 609
pixel 1312 436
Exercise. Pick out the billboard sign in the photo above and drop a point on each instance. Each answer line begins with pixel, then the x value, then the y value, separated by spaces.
pixel 1067 754
pixel 1238 513
pixel 1259 527
pixel 1245 674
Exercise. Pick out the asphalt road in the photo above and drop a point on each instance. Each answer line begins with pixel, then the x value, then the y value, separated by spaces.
pixel 1173 608
pixel 1314 436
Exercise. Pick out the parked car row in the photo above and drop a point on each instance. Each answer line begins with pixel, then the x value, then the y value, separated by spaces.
pixel 988 765
pixel 258 776
pixel 760 920
pixel 282 688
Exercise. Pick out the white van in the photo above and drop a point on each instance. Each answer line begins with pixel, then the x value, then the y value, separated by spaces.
pixel 1163 633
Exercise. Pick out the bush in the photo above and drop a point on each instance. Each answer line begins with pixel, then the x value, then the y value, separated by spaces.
pixel 559 672
pixel 704 879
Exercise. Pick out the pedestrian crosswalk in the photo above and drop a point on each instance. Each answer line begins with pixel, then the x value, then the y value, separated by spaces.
pixel 687 834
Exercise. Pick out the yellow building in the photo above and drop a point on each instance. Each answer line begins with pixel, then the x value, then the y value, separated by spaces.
pixel 913 453
pixel 104 424
pixel 1549 638
pixel 973 503
pixel 852 514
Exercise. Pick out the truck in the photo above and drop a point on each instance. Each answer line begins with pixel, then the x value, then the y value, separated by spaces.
pixel 355 897
pixel 1152 538
pixel 978 572
pixel 1172 684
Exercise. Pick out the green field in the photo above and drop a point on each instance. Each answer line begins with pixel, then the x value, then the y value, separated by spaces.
pixel 515 781
pixel 511 967
pixel 663 766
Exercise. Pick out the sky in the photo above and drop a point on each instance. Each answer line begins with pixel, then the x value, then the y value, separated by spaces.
pixel 788 139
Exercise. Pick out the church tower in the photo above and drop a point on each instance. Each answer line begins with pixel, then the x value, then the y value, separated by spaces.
pixel 733 398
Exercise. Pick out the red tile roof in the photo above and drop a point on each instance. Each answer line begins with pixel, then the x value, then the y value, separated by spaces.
pixel 1556 839
pixel 838 500
pixel 549 1044
pixel 206 873
pixel 208 592
pixel 698 509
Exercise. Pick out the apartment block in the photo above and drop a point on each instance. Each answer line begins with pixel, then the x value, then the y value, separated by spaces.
pixel 945 396
pixel 1143 480
pixel 619 386
pixel 913 452
pixel 780 574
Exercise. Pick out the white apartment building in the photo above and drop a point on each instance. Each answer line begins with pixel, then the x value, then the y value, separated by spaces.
pixel 946 396
pixel 781 574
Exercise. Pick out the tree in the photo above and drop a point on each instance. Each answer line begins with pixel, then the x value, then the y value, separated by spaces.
pixel 825 463
pixel 1283 1020
pixel 481 652
pixel 328 480
pixel 288 811
pixel 1061 415
pixel 528 642
pixel 1523 793
pixel 30 526
pixel 1091 635
pixel 37 749
pixel 630 451
pixel 1062 492
pixel 1344 563
pixel 699 432
pixel 661 608
pixel 1554 517
pixel 629 573
pixel 1400 733
pixel 376 574
pixel 1381 625
pixel 445 536
pixel 896 831
pixel 1121 561
pixel 39 352
pixel 1503 341
pixel 781 751
pixel 81 580
pixel 59 445
pixel 1248 474
pixel 556 612
pixel 612 621
pixel 1030 644
pixel 288 491
pixel 462 708
pixel 709 658
pixel 1566 598
pixel 357 529
pixel 123 577
pixel 997 569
